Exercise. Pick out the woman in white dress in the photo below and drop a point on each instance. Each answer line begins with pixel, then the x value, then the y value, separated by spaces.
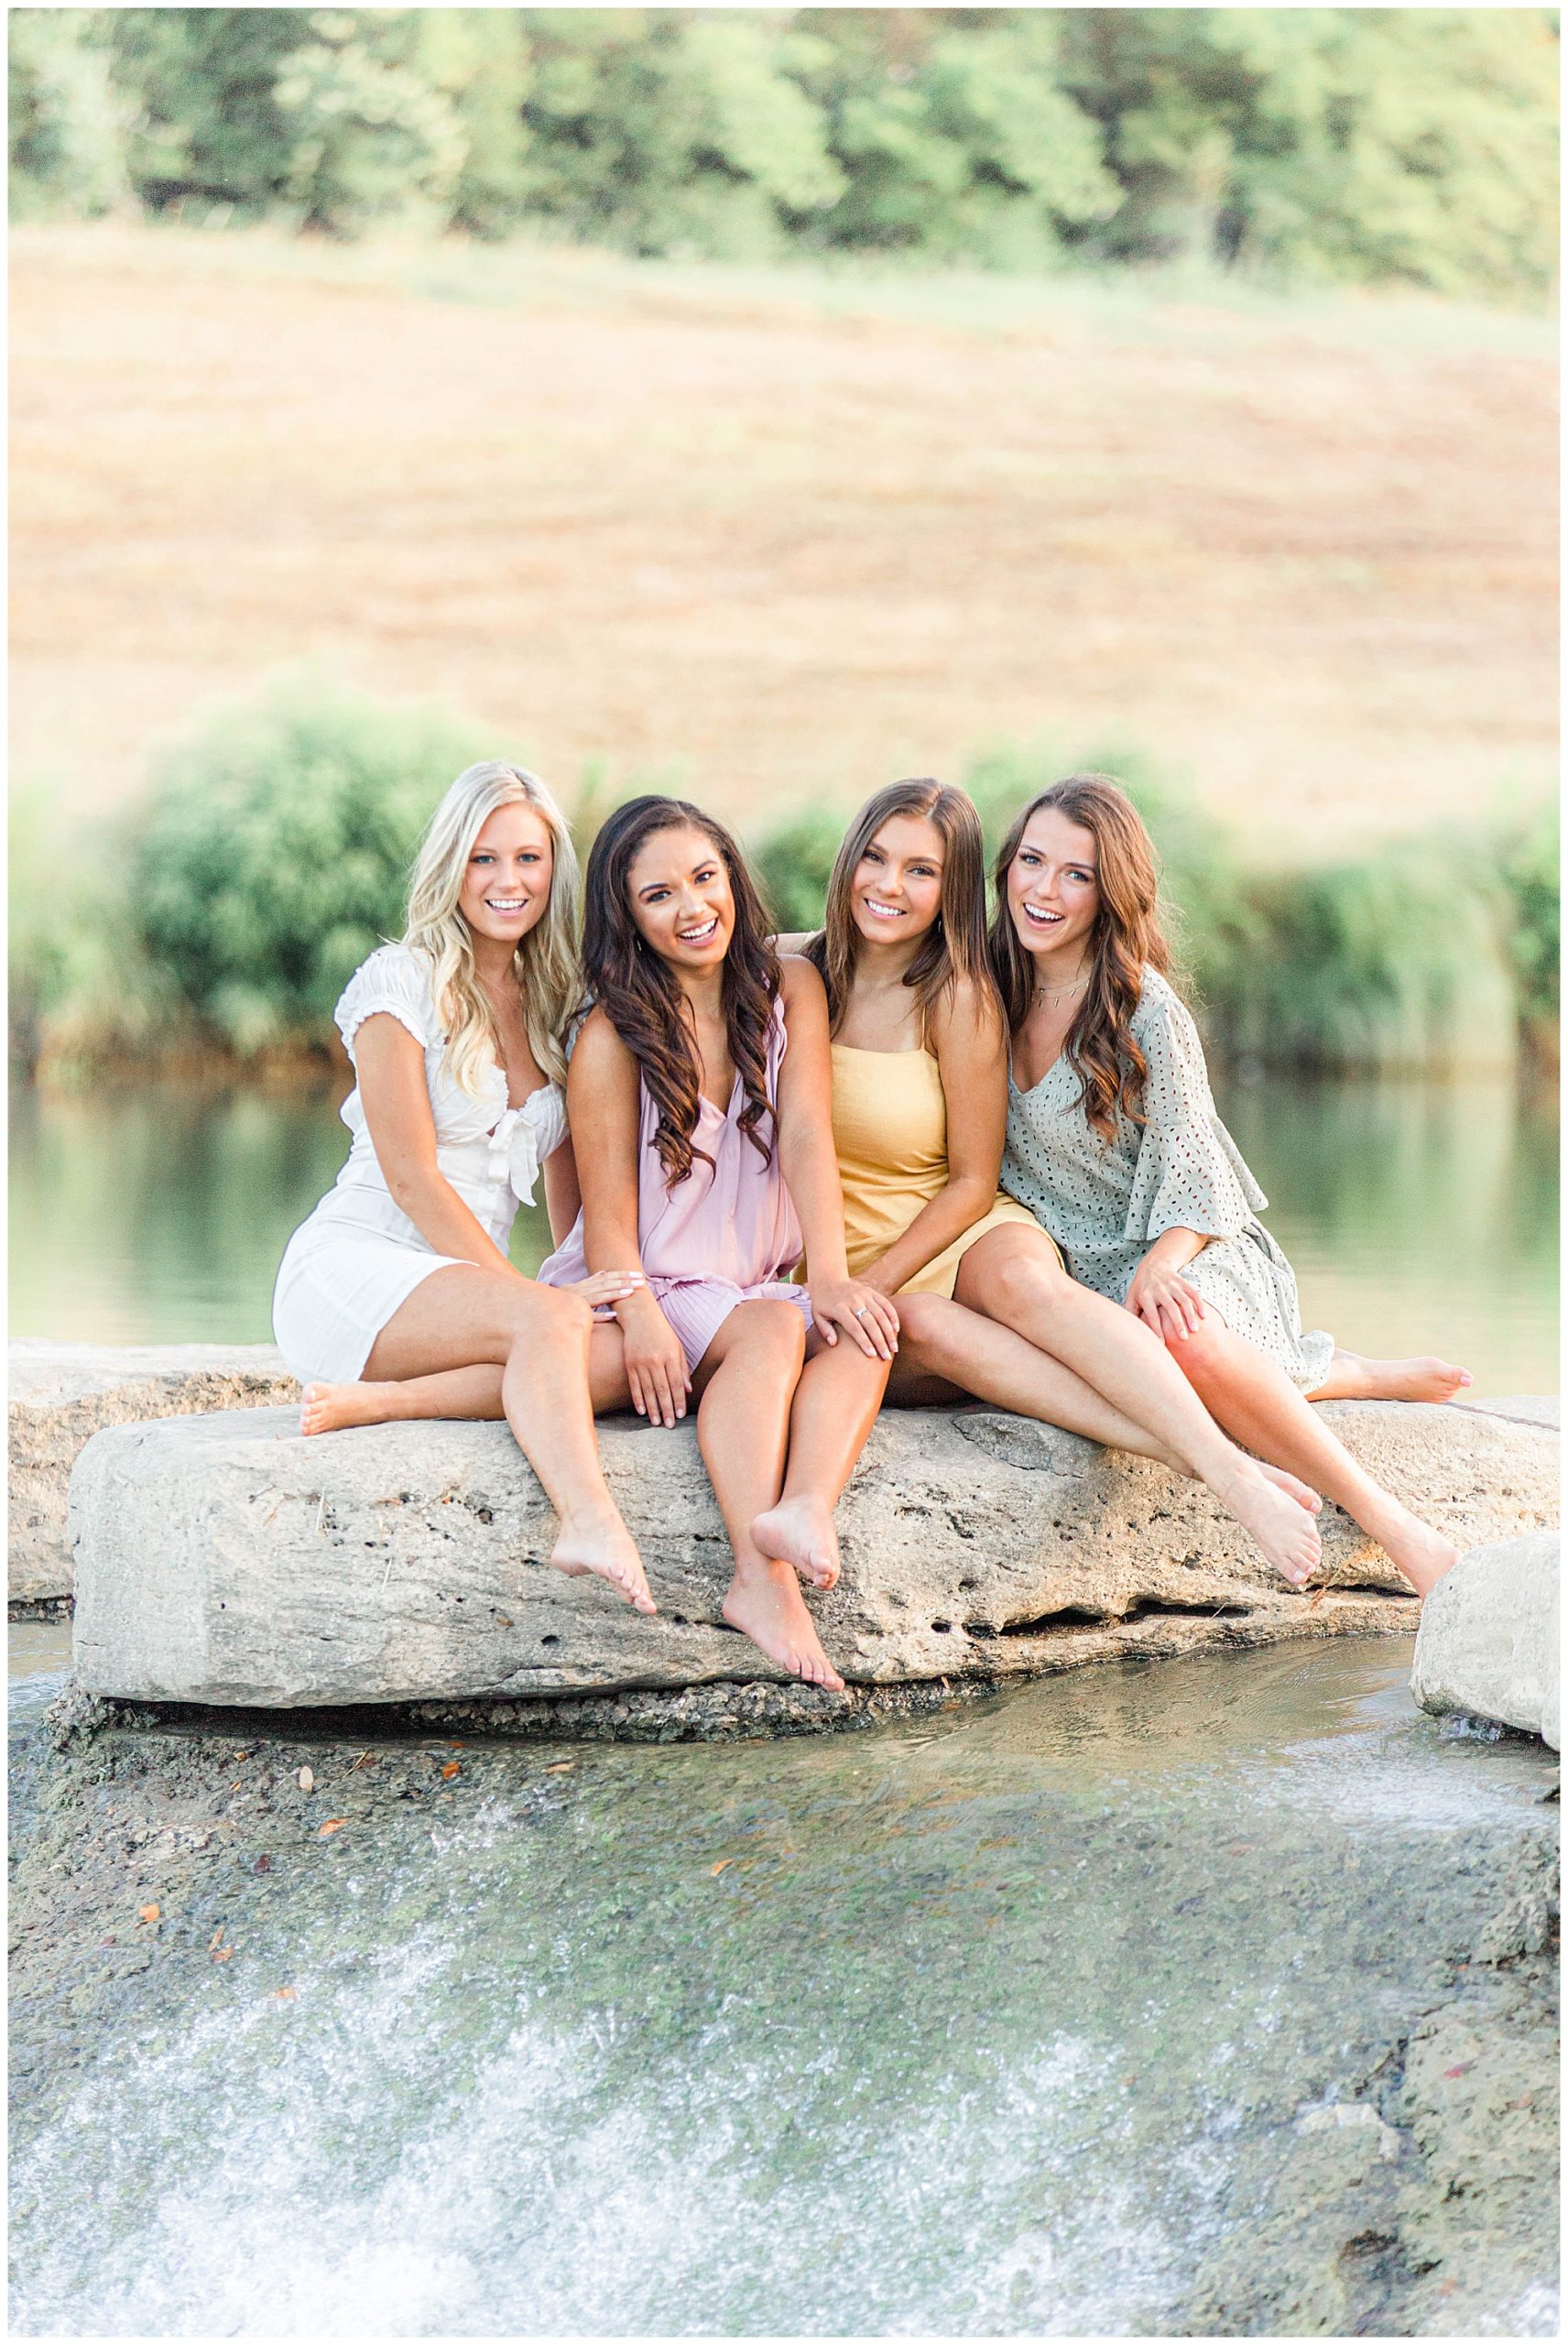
pixel 395 1298
pixel 1113 1144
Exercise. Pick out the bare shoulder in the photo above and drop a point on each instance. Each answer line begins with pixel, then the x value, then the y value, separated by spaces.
pixel 966 1016
pixel 600 1052
pixel 802 987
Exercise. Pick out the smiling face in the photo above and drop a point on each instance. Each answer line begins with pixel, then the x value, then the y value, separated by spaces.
pixel 680 900
pixel 505 883
pixel 1053 894
pixel 895 892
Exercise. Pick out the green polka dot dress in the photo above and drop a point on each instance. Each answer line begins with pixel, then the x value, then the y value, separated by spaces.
pixel 1106 1203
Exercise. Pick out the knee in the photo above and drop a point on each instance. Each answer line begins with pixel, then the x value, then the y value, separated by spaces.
pixel 1196 1353
pixel 1028 1275
pixel 919 1316
pixel 778 1330
pixel 552 1313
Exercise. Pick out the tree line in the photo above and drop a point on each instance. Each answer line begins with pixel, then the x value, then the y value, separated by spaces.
pixel 1296 145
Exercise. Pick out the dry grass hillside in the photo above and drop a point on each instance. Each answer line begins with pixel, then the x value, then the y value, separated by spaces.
pixel 788 534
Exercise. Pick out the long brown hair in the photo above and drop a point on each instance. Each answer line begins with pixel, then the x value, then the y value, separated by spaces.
pixel 642 996
pixel 954 947
pixel 1126 938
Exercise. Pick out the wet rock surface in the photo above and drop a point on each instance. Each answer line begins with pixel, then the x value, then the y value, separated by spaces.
pixel 223 1559
pixel 1216 1999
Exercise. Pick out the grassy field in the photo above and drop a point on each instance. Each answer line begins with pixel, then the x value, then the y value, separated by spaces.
pixel 786 534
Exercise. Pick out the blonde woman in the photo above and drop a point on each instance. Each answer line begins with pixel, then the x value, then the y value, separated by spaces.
pixel 396 1299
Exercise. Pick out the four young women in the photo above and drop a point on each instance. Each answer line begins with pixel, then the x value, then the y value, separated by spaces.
pixel 793 1200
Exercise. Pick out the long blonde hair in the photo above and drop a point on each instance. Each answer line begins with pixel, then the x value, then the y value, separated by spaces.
pixel 549 974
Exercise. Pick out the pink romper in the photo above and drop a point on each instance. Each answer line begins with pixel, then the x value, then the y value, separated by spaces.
pixel 726 1234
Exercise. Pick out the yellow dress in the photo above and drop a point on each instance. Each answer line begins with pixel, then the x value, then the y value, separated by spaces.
pixel 889 1116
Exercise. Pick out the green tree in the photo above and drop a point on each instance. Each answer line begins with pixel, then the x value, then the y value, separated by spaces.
pixel 479 58
pixel 207 122
pixel 69 119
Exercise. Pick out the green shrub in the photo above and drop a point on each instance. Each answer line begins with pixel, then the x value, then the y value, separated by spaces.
pixel 274 851
pixel 794 864
pixel 1394 964
pixel 1529 868
pixel 82 991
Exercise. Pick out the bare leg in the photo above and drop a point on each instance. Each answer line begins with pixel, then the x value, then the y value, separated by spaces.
pixel 746 1380
pixel 537 1338
pixel 836 1403
pixel 992 1362
pixel 949 1353
pixel 1011 1276
pixel 1257 1403
pixel 458 1393
pixel 1351 1377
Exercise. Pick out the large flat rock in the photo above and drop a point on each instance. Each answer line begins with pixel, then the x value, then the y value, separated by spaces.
pixel 224 1559
pixel 60 1395
pixel 1488 1644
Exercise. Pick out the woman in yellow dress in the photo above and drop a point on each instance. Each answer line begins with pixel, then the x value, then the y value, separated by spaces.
pixel 919 1100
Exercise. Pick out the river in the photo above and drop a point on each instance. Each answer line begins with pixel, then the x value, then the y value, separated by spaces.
pixel 1419 1217
pixel 1012 2023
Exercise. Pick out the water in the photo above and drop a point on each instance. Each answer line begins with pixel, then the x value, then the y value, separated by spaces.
pixel 966 2030
pixel 1420 1217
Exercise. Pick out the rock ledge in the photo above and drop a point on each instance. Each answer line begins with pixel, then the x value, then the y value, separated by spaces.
pixel 225 1560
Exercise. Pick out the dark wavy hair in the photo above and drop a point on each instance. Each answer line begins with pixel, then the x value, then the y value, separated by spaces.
pixel 642 998
pixel 1126 939
pixel 954 947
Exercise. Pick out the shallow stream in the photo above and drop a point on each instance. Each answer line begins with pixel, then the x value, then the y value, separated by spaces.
pixel 990 2026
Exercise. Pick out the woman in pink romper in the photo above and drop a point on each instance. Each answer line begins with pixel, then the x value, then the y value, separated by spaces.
pixel 714 1205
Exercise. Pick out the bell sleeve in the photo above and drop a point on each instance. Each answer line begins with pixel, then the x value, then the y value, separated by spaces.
pixel 1190 1173
pixel 393 982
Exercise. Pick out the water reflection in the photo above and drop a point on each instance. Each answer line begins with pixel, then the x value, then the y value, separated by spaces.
pixel 1420 1217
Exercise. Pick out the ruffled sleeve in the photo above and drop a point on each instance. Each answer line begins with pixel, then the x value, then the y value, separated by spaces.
pixel 394 982
pixel 1190 1173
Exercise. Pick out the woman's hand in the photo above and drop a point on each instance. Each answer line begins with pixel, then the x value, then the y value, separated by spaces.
pixel 603 1287
pixel 1165 1300
pixel 869 1319
pixel 655 1365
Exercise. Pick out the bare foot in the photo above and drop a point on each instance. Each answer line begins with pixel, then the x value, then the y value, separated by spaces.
pixel 1426 1378
pixel 1423 1554
pixel 768 1607
pixel 1300 1491
pixel 327 1407
pixel 601 1543
pixel 1281 1524
pixel 801 1532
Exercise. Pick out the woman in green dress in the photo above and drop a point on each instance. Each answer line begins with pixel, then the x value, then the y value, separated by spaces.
pixel 1113 1144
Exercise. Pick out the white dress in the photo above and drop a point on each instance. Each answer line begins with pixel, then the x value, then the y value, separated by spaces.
pixel 347 1269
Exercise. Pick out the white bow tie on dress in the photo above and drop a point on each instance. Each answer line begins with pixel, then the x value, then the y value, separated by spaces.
pixel 514 1149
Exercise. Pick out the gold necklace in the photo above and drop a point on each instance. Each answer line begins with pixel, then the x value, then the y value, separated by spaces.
pixel 1058 993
